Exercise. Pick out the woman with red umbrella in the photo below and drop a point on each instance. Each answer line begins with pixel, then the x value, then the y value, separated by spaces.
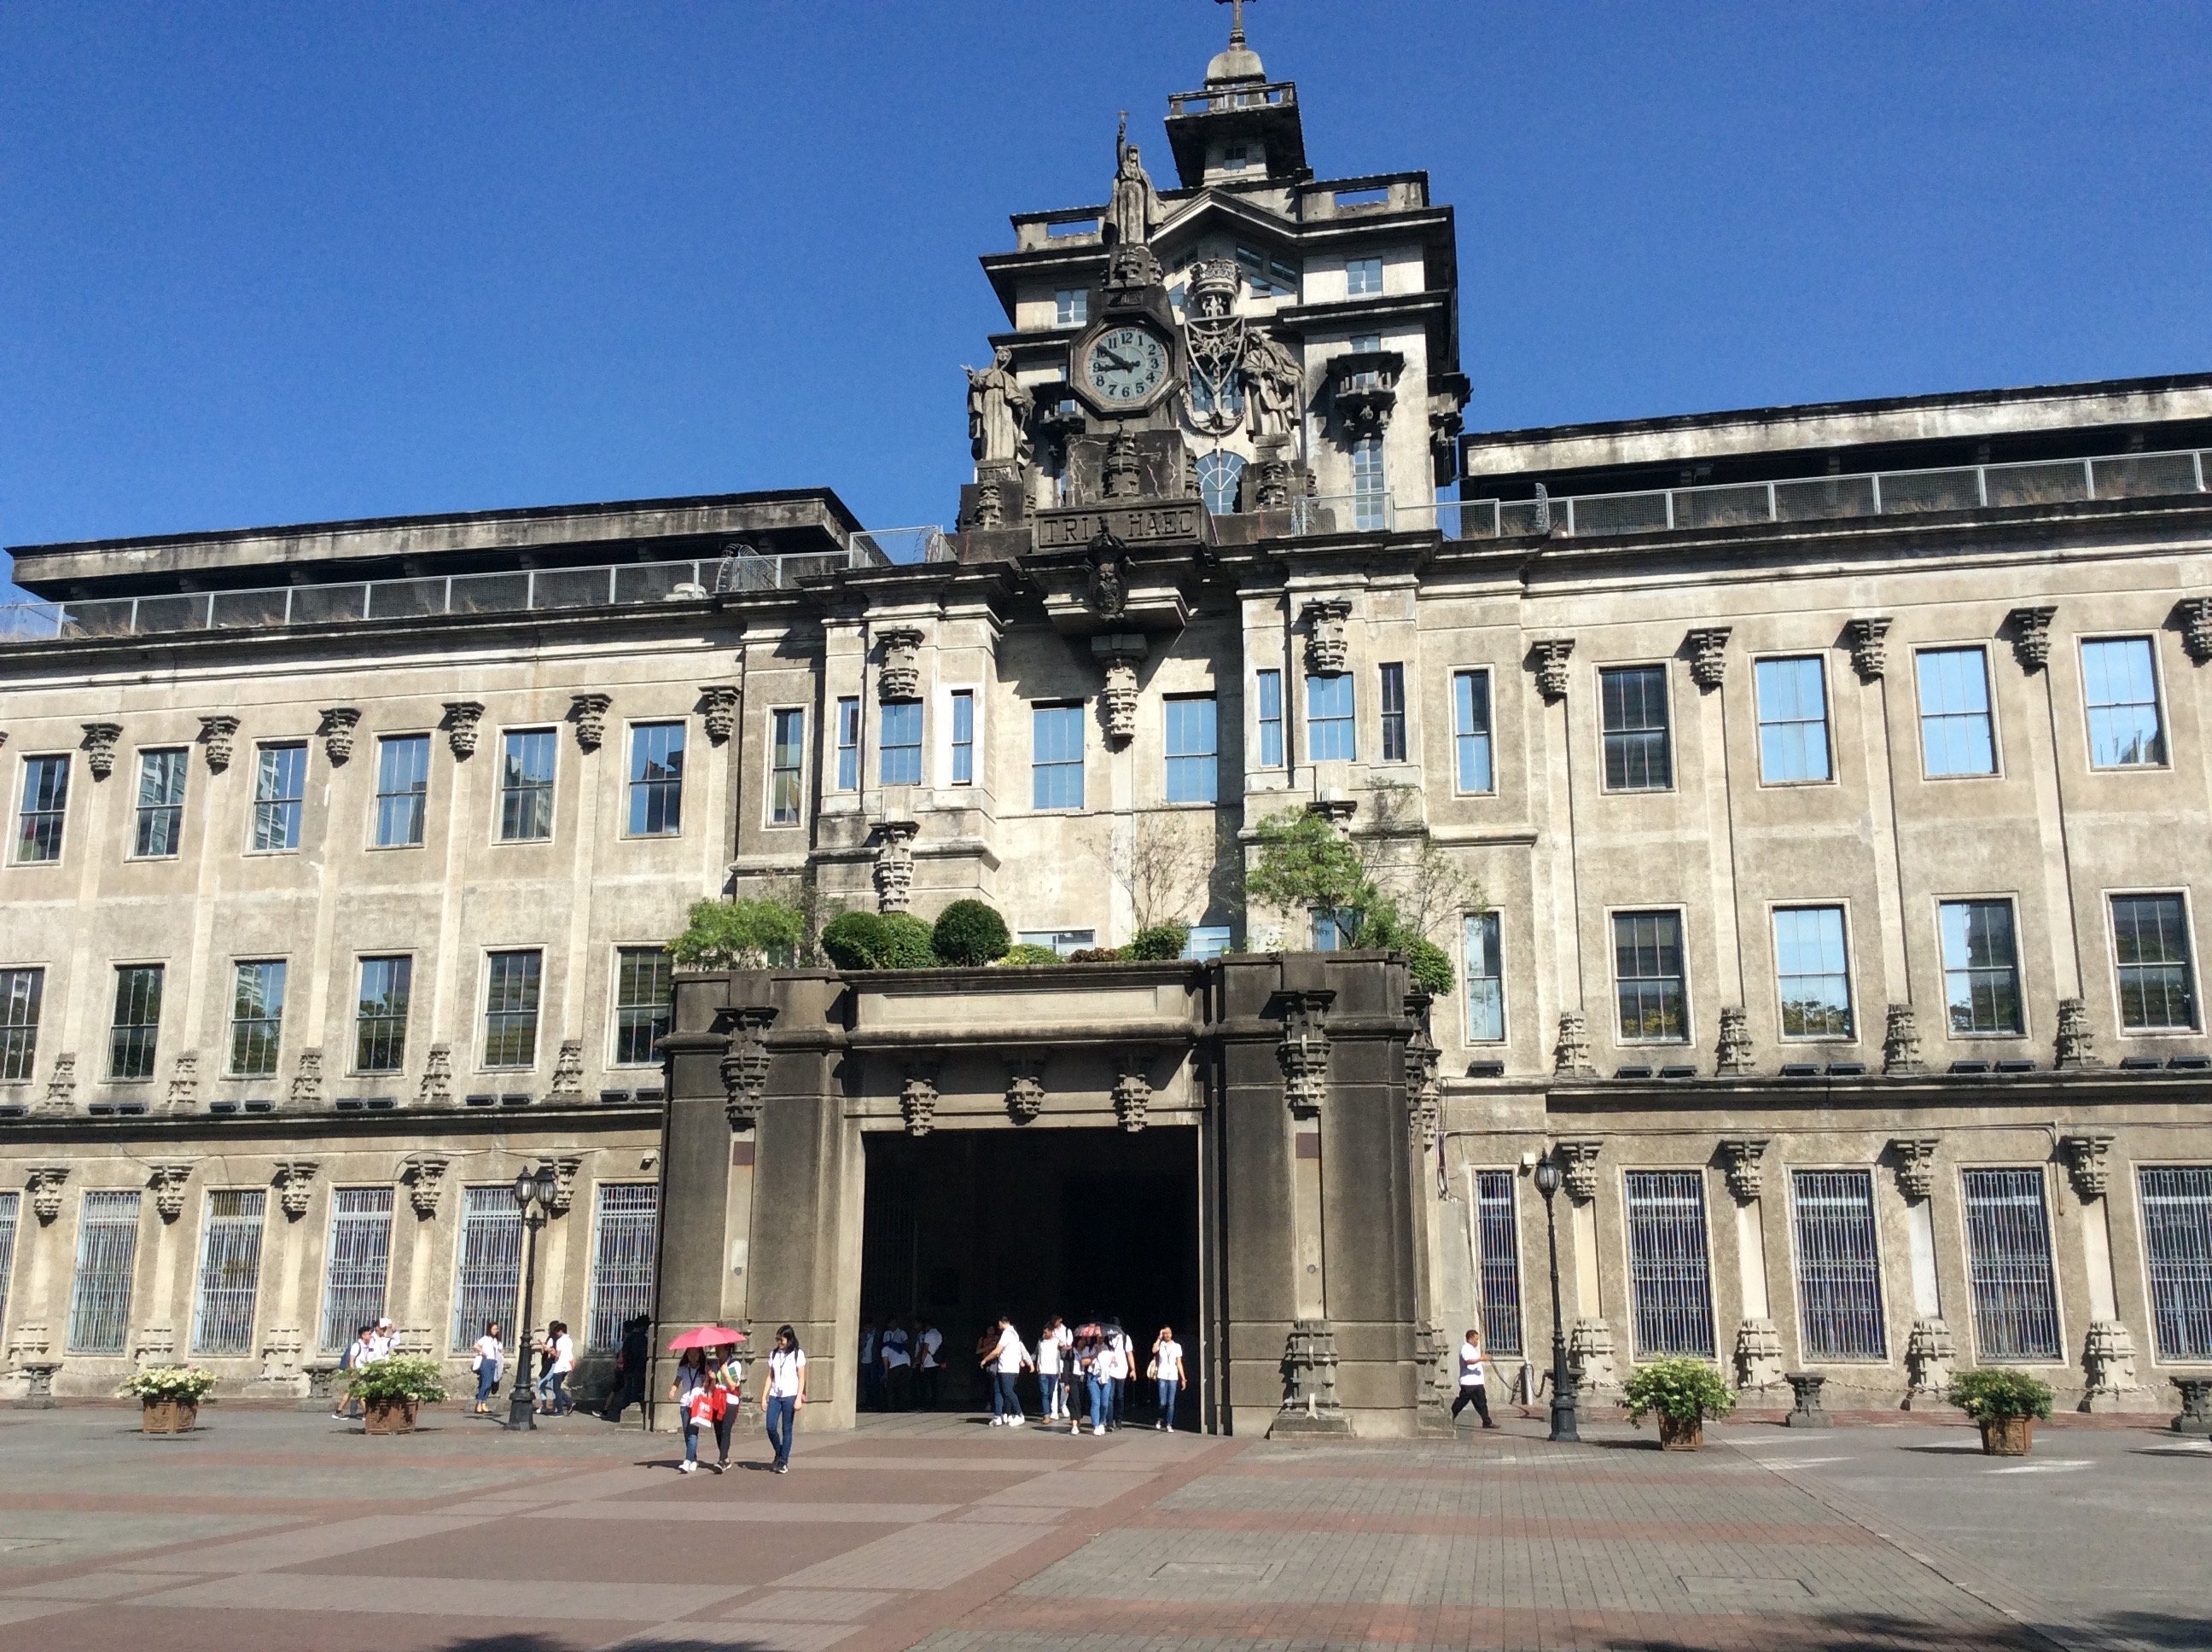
pixel 699 1391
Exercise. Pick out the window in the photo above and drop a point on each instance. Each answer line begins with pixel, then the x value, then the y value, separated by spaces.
pixel 279 784
pixel 1269 697
pixel 1637 757
pixel 11 1206
pixel 1393 712
pixel 1362 277
pixel 1071 306
pixel 656 779
pixel 1981 972
pixel 21 991
pixel 380 1041
pixel 1471 730
pixel 2150 940
pixel 526 786
pixel 963 736
pixel 510 1010
pixel 1813 973
pixel 1056 757
pixel 1062 941
pixel 1329 733
pixel 1669 1282
pixel 45 803
pixel 1647 973
pixel 643 983
pixel 161 824
pixel 1270 277
pixel 1366 343
pixel 1793 721
pixel 2177 1217
pixel 256 1019
pixel 106 1254
pixel 849 744
pixel 2008 1265
pixel 230 1270
pixel 360 1257
pixel 488 1264
pixel 137 1024
pixel 1370 487
pixel 2121 686
pixel 1955 734
pixel 1486 980
pixel 1194 763
pixel 788 761
pixel 1235 157
pixel 1218 477
pixel 1334 928
pixel 621 1260
pixel 1206 941
pixel 1839 1275
pixel 402 790
pixel 1497 1238
pixel 900 753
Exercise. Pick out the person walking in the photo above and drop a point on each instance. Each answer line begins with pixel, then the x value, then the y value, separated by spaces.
pixel 1471 1388
pixel 726 1369
pixel 1009 1357
pixel 929 1365
pixel 1065 1338
pixel 490 1354
pixel 1167 1370
pixel 1101 1359
pixel 1125 1365
pixel 380 1343
pixel 559 1360
pixel 1047 1371
pixel 630 1362
pixel 786 1392
pixel 693 1403
pixel 898 1367
pixel 871 1397
pixel 361 1351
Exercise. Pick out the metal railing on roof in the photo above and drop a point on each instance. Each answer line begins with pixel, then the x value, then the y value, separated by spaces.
pixel 1239 97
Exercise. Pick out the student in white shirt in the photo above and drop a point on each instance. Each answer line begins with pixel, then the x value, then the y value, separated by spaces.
pixel 1471 1385
pixel 1008 1357
pixel 786 1392
pixel 1047 1368
pixel 1102 1359
pixel 1065 1338
pixel 898 1367
pixel 1126 1366
pixel 560 1349
pixel 929 1367
pixel 490 1355
pixel 1168 1371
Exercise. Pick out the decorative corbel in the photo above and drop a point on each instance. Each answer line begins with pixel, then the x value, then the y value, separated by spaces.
pixel 1547 658
pixel 1303 1052
pixel 296 1186
pixel 425 1175
pixel 1732 1056
pixel 744 1067
pixel 2076 1045
pixel 2031 636
pixel 44 1183
pixel 719 708
pixel 1900 1041
pixel 1578 1160
pixel 1327 650
pixel 2089 1161
pixel 899 677
pixel 1570 1054
pixel 1709 657
pixel 216 733
pixel 1024 1087
pixel 894 865
pixel 564 1183
pixel 167 1182
pixel 99 743
pixel 2195 615
pixel 460 723
pixel 1870 654
pixel 588 711
pixel 1133 1089
pixel 1916 1165
pixel 1740 1159
pixel 918 1097
pixel 337 731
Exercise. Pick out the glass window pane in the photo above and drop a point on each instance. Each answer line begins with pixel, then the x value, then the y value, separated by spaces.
pixel 1268 694
pixel 1486 980
pixel 135 1029
pixel 1648 977
pixel 1471 730
pixel 525 796
pixel 403 788
pixel 2121 686
pixel 787 766
pixel 280 788
pixel 1193 763
pixel 656 779
pixel 963 736
pixel 1810 967
pixel 1633 702
pixel 2176 1219
pixel 510 1010
pixel 160 825
pixel 1793 720
pixel 380 1014
pixel 1056 757
pixel 1670 1285
pixel 1329 727
pixel 1955 732
pixel 1981 976
pixel 45 804
pixel 848 745
pixel 901 742
pixel 256 1019
pixel 2008 1265
pixel 2150 941
pixel 644 979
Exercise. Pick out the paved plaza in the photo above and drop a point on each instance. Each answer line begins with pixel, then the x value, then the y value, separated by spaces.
pixel 271 1529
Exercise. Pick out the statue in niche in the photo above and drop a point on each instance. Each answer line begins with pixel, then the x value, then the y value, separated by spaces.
pixel 1108 592
pixel 1273 379
pixel 998 407
pixel 1135 206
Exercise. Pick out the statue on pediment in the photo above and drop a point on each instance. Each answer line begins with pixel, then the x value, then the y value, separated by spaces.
pixel 1273 379
pixel 1134 211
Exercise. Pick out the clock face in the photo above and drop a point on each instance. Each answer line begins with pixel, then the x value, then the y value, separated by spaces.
pixel 1126 365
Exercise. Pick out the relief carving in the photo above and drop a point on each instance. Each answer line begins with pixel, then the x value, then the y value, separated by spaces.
pixel 460 723
pixel 216 734
pixel 1327 649
pixel 296 1186
pixel 894 867
pixel 1549 658
pixel 899 677
pixel 588 711
pixel 336 730
pixel 1303 1053
pixel 1868 654
pixel 100 740
pixel 744 1067
pixel 720 703
pixel 2031 636
pixel 1709 657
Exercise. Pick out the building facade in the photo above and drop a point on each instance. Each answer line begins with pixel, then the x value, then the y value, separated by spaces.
pixel 1824 791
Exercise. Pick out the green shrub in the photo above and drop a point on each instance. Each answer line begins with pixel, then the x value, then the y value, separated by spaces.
pixel 1161 941
pixel 403 1376
pixel 1684 1390
pixel 1430 965
pixel 906 942
pixel 869 940
pixel 739 934
pixel 970 932
pixel 1093 955
pixel 1028 953
pixel 1992 1394
pixel 157 1382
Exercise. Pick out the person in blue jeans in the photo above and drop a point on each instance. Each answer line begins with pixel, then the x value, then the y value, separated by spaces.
pixel 786 1392
pixel 1167 1369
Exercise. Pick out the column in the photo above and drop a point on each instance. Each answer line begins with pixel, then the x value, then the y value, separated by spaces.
pixel 1757 1341
pixel 2109 1356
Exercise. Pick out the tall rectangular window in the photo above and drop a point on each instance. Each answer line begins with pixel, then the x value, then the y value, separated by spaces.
pixel 1371 485
pixel 2120 685
pixel 402 790
pixel 1634 703
pixel 1193 761
pixel 1056 756
pixel 1813 972
pixel 1330 735
pixel 1363 277
pixel 487 1264
pixel 380 1041
pixel 511 988
pixel 106 1254
pixel 137 1026
pixel 1393 676
pixel 963 736
pixel 623 1251
pixel 2008 1265
pixel 256 1019
pixel 1206 941
pixel 22 991
pixel 1647 974
pixel 1071 306
pixel 1471 731
pixel 360 1257
pixel 46 805
pixel 899 748
pixel 644 977
pixel 161 823
pixel 1981 967
pixel 1793 720
pixel 11 1206
pixel 656 779
pixel 230 1270
pixel 1956 737
pixel 2176 1218
pixel 1498 1239
pixel 280 791
pixel 2150 942
pixel 1486 980
pixel 849 744
pixel 786 764
pixel 526 786
pixel 1268 696
pixel 1838 1266
pixel 1670 1283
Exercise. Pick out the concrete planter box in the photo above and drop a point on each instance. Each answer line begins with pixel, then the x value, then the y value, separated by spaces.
pixel 2007 1436
pixel 1681 1433
pixel 388 1416
pixel 170 1416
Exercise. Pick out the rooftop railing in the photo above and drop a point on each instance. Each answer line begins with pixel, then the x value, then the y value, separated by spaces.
pixel 1240 97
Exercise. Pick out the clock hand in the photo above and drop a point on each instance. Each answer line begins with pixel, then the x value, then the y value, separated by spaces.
pixel 1121 361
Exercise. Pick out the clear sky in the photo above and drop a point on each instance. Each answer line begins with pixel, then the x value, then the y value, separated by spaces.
pixel 281 263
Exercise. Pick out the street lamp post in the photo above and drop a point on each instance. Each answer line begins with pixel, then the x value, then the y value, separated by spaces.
pixel 1563 1378
pixel 533 1189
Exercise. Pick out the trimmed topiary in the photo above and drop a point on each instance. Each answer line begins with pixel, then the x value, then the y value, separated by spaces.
pixel 906 943
pixel 1028 954
pixel 1161 941
pixel 969 932
pixel 1093 955
pixel 853 940
pixel 1430 965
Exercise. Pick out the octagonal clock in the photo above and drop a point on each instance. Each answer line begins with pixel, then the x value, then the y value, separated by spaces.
pixel 1124 367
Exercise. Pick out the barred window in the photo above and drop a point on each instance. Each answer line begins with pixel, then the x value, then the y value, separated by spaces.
pixel 488 1263
pixel 1669 1281
pixel 359 1260
pixel 22 993
pixel 656 779
pixel 1486 980
pixel 622 1255
pixel 1633 700
pixel 256 1019
pixel 280 789
pixel 900 755
pixel 1956 737
pixel 1813 975
pixel 11 1206
pixel 1839 1267
pixel 963 736
pixel 526 786
pixel 849 744
pixel 1981 967
pixel 230 1270
pixel 46 805
pixel 1471 730
pixel 644 978
pixel 786 764
pixel 1497 1238
pixel 2120 683
pixel 2177 1215
pixel 106 1254
pixel 2008 1265
pixel 1056 756
pixel 1647 973
pixel 381 1015
pixel 511 988
pixel 136 1027
pixel 2150 940
pixel 402 790
pixel 160 822
pixel 1330 735
pixel 1193 763
pixel 1793 720
pixel 1268 697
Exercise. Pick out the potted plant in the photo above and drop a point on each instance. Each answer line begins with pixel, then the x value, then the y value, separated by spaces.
pixel 390 1389
pixel 1684 1392
pixel 2006 1404
pixel 169 1397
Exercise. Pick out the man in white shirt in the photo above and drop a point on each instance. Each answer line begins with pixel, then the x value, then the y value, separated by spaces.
pixel 898 1367
pixel 929 1369
pixel 1007 1360
pixel 380 1343
pixel 1471 1385
pixel 561 1359
pixel 1065 1339
pixel 1127 1351
pixel 1168 1370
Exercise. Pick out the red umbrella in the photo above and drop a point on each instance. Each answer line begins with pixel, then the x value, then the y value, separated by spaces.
pixel 709 1336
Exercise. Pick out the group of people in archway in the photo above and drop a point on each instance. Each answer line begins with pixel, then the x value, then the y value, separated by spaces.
pixel 1085 1370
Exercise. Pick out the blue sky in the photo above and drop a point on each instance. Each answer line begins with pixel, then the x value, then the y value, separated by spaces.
pixel 283 263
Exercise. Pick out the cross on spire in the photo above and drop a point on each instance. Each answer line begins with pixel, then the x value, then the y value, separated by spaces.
pixel 1235 20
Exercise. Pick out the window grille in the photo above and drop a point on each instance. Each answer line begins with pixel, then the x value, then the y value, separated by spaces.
pixel 136 1027
pixel 656 779
pixel 2120 683
pixel 899 755
pixel 488 1269
pixel 1668 1279
pixel 1813 972
pixel 1329 729
pixel 622 1258
pixel 644 978
pixel 22 991
pixel 1471 730
pixel 360 1257
pixel 1193 764
pixel 511 991
pixel 402 790
pixel 11 1204
pixel 46 805
pixel 1793 720
pixel 1955 734
pixel 257 1019
pixel 230 1270
pixel 106 1252
pixel 1219 474
pixel 849 744
pixel 1637 755
pixel 2008 1265
pixel 2150 939
pixel 526 786
pixel 280 785
pixel 1647 968
pixel 160 822
pixel 1393 676
pixel 1981 970
pixel 1497 1233
pixel 1486 980
pixel 1838 1266
pixel 1056 757
pixel 2177 1212
pixel 1268 695
pixel 381 1018
pixel 963 736
pixel 787 763
pixel 1370 487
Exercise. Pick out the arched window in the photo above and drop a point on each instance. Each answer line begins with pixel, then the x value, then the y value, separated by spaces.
pixel 1217 481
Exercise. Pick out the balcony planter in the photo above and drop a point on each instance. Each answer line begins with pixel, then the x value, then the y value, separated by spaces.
pixel 391 1391
pixel 169 1397
pixel 2006 1404
pixel 1683 1393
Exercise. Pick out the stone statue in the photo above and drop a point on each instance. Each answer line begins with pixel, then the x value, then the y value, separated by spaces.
pixel 1135 210
pixel 1273 379
pixel 999 412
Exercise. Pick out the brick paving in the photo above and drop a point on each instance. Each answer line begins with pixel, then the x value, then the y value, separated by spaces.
pixel 274 1529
